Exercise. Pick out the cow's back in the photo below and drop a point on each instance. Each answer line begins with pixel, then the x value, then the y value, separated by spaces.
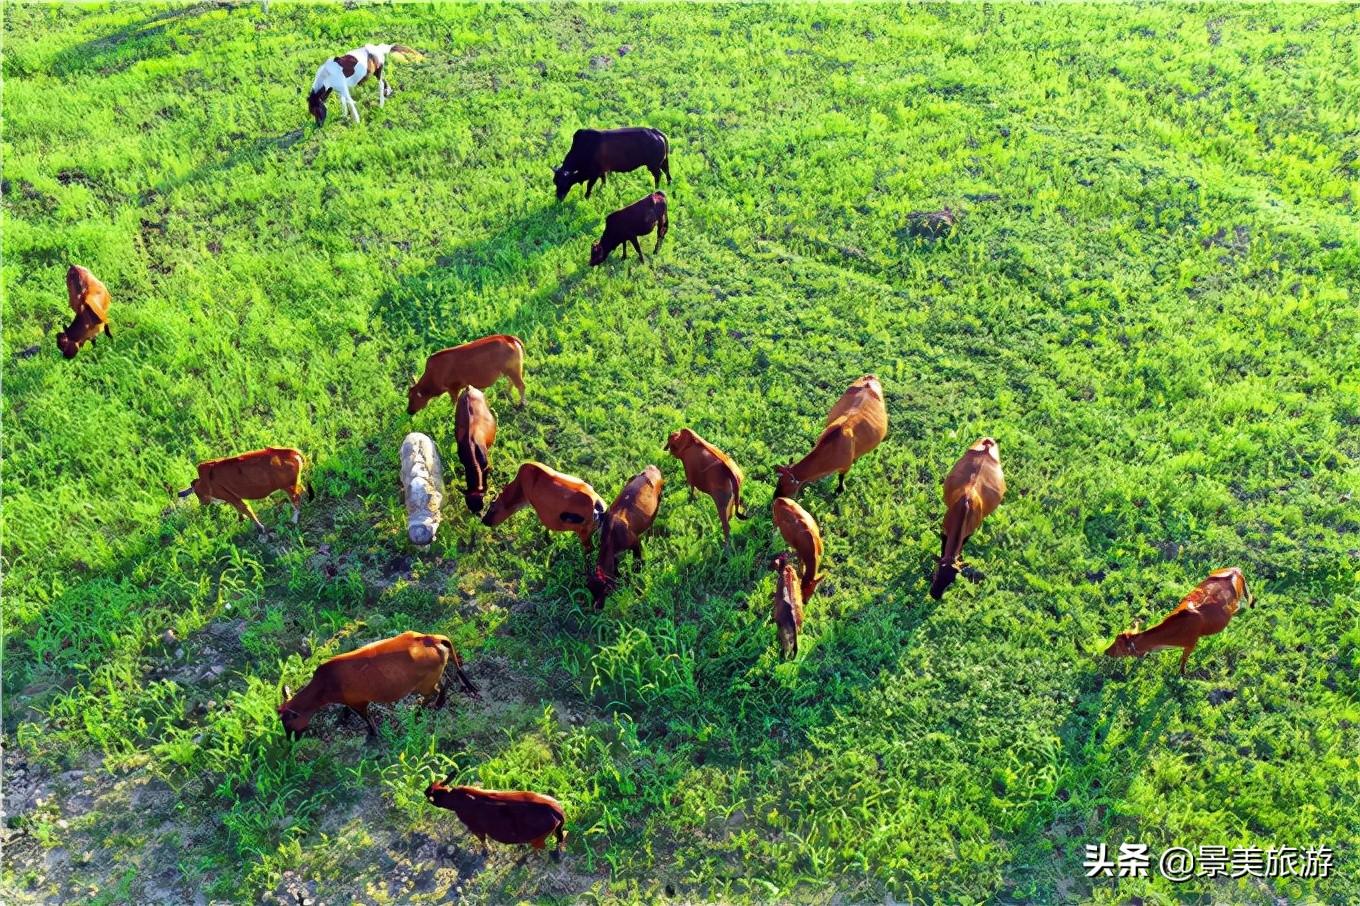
pixel 508 818
pixel 387 670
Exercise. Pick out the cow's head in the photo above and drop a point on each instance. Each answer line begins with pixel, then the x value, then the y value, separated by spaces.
pixel 446 796
pixel 294 721
pixel 564 179
pixel 196 487
pixel 779 561
pixel 679 442
pixel 417 398
pixel 597 254
pixel 1125 645
pixel 68 346
pixel 786 482
pixel 316 105
pixel 600 585
pixel 988 446
pixel 498 512
pixel 945 574
pixel 475 500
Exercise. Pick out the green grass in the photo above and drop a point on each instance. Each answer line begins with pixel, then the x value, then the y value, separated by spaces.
pixel 1150 301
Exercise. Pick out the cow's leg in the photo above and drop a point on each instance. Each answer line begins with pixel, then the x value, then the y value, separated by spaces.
pixel 661 226
pixel 295 494
pixel 1185 655
pixel 362 711
pixel 347 101
pixel 590 184
pixel 516 375
pixel 243 508
pixel 443 695
pixel 624 246
pixel 656 177
pixel 723 501
pixel 840 484
pixel 637 556
pixel 666 166
pixel 637 248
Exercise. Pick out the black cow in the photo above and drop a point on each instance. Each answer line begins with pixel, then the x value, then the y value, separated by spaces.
pixel 596 152
pixel 627 224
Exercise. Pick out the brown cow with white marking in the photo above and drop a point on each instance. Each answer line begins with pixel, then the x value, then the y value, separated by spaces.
pixel 250 476
pixel 348 71
pixel 89 299
pixel 712 471
pixel 477 364
pixel 563 503
pixel 384 671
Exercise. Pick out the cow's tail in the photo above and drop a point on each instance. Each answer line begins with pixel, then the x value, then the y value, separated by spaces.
pixel 736 493
pixel 466 683
pixel 403 54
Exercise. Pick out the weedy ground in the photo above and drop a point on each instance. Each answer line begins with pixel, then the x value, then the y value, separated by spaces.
pixel 1148 296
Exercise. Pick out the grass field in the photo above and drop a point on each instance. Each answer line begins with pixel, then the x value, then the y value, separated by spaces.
pixel 1150 300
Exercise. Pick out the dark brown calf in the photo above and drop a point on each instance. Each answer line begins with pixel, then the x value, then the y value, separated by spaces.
pixel 788 605
pixel 250 476
pixel 563 503
pixel 630 515
pixel 627 224
pixel 1205 611
pixel 384 671
pixel 800 532
pixel 477 364
pixel 506 816
pixel 595 153
pixel 89 299
pixel 475 430
pixel 712 471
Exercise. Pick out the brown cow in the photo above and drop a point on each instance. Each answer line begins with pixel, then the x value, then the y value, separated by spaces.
pixel 856 424
pixel 477 364
pixel 385 671
pixel 1205 611
pixel 475 431
pixel 788 604
pixel 972 491
pixel 506 816
pixel 711 471
pixel 250 476
pixel 89 299
pixel 800 532
pixel 627 224
pixel 563 503
pixel 630 515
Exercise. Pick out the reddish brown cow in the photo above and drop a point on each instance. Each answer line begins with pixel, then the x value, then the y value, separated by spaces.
pixel 89 299
pixel 712 471
pixel 788 605
pixel 477 364
pixel 384 671
pixel 630 515
pixel 250 476
pixel 563 503
pixel 627 224
pixel 506 816
pixel 475 430
pixel 1205 611
pixel 800 532
pixel 856 424
pixel 972 491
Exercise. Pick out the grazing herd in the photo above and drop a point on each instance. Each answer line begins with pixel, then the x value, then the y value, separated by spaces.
pixel 391 669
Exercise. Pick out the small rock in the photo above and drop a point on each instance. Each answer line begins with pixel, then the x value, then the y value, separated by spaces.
pixel 168 637
pixel 600 62
pixel 625 49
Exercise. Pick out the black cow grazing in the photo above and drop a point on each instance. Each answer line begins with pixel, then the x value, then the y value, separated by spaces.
pixel 597 152
pixel 627 224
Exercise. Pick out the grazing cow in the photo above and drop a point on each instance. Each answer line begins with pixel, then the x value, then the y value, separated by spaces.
pixel 1205 611
pixel 972 490
pixel 563 503
pixel 89 299
pixel 475 429
pixel 856 424
pixel 382 672
pixel 348 71
pixel 800 532
pixel 788 604
pixel 422 487
pixel 477 364
pixel 506 816
pixel 712 471
pixel 627 224
pixel 250 476
pixel 595 153
pixel 630 515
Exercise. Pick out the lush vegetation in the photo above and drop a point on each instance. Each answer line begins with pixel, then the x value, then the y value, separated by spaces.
pixel 1149 298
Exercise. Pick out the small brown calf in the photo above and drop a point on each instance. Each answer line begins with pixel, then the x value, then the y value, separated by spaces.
pixel 799 531
pixel 506 816
pixel 89 299
pixel 563 503
pixel 712 471
pixel 477 364
pixel 475 430
pixel 629 517
pixel 788 605
pixel 250 476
